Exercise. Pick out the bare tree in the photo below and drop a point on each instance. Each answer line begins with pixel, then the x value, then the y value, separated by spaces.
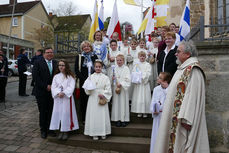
pixel 66 8
pixel 45 36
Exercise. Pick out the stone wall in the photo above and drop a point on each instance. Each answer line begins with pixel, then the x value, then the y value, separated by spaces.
pixel 214 58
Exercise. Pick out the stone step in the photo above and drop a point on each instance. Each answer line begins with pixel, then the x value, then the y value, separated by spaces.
pixel 135 119
pixel 112 143
pixel 131 130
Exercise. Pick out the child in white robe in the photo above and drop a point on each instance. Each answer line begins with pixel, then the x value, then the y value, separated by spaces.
pixel 131 60
pixel 97 121
pixel 141 93
pixel 156 107
pixel 112 56
pixel 64 113
pixel 120 85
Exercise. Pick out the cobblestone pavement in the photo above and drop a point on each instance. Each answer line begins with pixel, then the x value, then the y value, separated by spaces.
pixel 19 132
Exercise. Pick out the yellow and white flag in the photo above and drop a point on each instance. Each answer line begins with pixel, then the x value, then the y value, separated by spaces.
pixel 162 12
pixel 149 21
pixel 133 2
pixel 94 23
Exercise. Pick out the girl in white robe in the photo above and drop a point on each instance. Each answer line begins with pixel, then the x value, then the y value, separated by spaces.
pixel 97 121
pixel 64 113
pixel 141 92
pixel 120 85
pixel 156 107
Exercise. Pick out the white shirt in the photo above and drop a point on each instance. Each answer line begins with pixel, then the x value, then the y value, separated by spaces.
pixel 166 53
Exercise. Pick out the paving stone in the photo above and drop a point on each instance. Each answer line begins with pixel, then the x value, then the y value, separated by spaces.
pixel 45 151
pixel 24 149
pixel 34 145
pixel 35 151
pixel 10 137
pixel 2 146
pixel 11 148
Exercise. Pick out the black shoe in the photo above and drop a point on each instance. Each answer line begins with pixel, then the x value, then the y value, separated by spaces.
pixel 52 133
pixel 60 135
pixel 118 124
pixel 65 136
pixel 124 124
pixel 2 101
pixel 43 134
pixel 24 95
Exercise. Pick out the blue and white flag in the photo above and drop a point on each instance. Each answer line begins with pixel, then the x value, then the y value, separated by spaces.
pixel 101 12
pixel 185 22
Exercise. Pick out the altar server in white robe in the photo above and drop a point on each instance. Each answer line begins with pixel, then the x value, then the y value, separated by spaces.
pixel 120 84
pixel 131 60
pixel 113 52
pixel 152 58
pixel 97 115
pixel 64 113
pixel 141 93
pixel 157 102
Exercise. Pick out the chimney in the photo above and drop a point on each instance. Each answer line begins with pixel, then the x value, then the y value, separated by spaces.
pixel 50 14
pixel 12 2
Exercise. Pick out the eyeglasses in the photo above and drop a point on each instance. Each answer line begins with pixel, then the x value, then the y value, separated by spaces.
pixel 61 65
pixel 48 52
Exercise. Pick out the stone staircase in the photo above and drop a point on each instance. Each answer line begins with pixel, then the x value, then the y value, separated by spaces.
pixel 134 138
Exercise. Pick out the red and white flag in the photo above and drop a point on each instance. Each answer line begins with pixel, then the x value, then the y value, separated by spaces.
pixel 114 25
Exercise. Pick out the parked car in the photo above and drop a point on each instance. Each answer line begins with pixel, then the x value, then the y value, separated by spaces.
pixel 13 68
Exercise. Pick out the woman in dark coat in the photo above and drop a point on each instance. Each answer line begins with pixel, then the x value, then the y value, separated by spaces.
pixel 81 70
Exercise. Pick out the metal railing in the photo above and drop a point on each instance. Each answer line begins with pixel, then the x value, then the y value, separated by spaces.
pixel 216 32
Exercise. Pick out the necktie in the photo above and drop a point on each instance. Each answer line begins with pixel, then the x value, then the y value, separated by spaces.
pixel 50 67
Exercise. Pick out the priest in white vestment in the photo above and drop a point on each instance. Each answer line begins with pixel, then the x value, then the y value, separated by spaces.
pixel 183 123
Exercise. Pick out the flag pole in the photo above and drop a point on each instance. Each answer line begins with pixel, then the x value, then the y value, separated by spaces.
pixel 142 16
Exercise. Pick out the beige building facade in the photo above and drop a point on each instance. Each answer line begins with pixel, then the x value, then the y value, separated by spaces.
pixel 28 18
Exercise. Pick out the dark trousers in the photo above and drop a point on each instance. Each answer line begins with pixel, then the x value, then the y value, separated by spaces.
pixel 22 83
pixel 83 103
pixel 3 82
pixel 45 106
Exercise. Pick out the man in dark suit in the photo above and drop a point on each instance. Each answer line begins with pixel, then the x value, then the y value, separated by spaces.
pixel 22 61
pixel 167 58
pixel 43 72
pixel 3 76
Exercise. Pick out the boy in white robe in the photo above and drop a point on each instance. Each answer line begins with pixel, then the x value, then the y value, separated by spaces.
pixel 120 85
pixel 156 107
pixel 97 121
pixel 112 56
pixel 132 59
pixel 141 93
pixel 64 113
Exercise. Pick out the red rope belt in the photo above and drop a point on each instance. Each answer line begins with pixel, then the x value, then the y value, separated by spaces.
pixel 71 118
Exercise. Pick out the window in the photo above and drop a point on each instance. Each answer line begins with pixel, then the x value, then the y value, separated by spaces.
pixel 227 14
pixel 15 35
pixel 15 21
pixel 220 14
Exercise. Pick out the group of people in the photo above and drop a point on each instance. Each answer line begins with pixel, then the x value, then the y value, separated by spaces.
pixel 124 73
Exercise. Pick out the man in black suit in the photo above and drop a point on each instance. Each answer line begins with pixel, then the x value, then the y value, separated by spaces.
pixel 3 76
pixel 22 61
pixel 167 58
pixel 43 72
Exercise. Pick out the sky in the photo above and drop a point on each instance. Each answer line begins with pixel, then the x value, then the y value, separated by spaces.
pixel 126 12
